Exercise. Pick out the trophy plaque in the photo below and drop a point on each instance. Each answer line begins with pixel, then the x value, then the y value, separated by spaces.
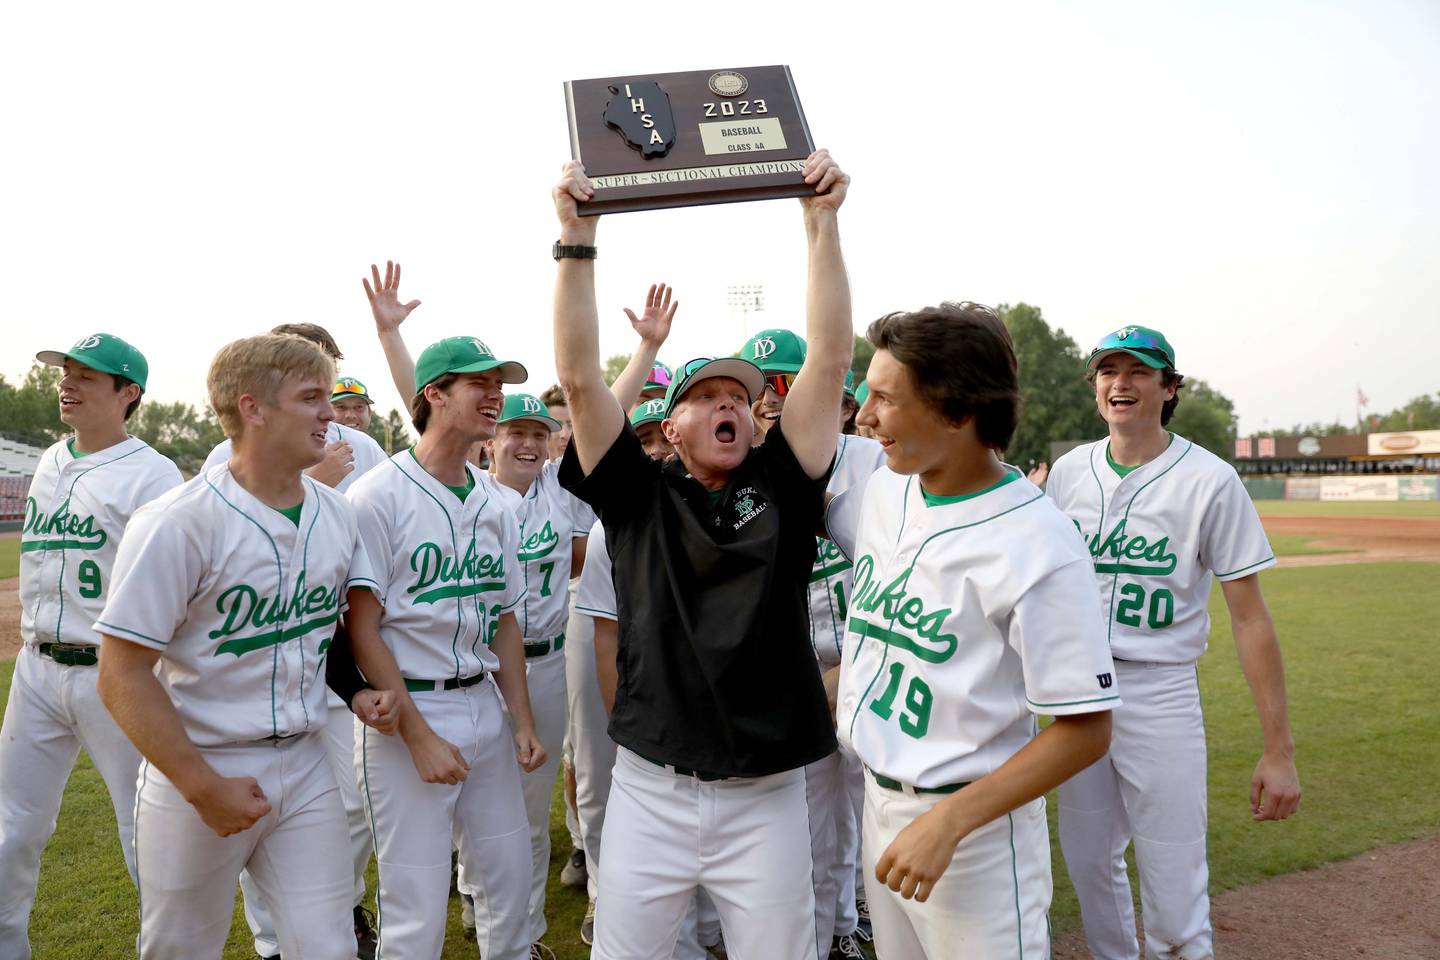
pixel 684 139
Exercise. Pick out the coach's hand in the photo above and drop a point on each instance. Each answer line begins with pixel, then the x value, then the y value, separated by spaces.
pixel 384 298
pixel 229 805
pixel 1274 788
pixel 528 750
pixel 436 759
pixel 339 461
pixel 573 188
pixel 918 856
pixel 830 183
pixel 377 709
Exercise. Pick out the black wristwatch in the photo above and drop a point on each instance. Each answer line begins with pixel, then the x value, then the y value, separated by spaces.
pixel 575 250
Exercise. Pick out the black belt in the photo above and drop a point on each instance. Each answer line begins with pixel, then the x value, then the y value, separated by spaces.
pixel 542 647
pixel 70 654
pixel 684 771
pixel 890 783
pixel 454 683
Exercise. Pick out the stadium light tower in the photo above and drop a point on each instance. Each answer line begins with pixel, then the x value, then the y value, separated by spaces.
pixel 747 298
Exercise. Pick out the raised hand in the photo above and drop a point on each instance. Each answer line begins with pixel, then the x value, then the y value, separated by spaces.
pixel 830 182
pixel 384 297
pixel 573 188
pixel 654 324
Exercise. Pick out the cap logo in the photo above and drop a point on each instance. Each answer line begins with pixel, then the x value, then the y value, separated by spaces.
pixel 479 345
pixel 1124 334
pixel 653 407
pixel 530 404
pixel 763 348
pixel 87 343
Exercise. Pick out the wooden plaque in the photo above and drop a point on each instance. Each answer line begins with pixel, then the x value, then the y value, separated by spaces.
pixel 684 139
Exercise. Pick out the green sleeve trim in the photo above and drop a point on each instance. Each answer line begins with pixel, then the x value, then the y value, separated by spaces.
pixel 1236 573
pixel 1072 703
pixel 594 612
pixel 112 628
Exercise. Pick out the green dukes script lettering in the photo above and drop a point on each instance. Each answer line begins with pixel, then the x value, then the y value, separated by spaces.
pixel 828 560
pixel 62 530
pixel 899 609
pixel 245 609
pixel 538 544
pixel 1118 553
pixel 438 575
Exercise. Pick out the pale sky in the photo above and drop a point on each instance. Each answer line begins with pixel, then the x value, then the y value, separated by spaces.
pixel 1259 180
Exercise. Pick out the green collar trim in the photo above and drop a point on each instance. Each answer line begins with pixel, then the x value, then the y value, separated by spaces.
pixel 291 513
pixel 936 500
pixel 1123 471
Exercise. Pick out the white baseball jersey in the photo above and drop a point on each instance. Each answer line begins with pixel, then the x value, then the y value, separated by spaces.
pixel 447 569
pixel 550 517
pixel 241 602
pixel 1156 536
pixel 984 608
pixel 596 596
pixel 75 515
pixel 855 459
pixel 368 453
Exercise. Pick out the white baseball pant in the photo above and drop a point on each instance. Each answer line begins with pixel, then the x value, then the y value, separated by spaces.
pixel 832 786
pixel 296 854
pixel 744 841
pixel 52 712
pixel 414 823
pixel 1150 788
pixel 340 746
pixel 992 901
pixel 848 865
pixel 590 744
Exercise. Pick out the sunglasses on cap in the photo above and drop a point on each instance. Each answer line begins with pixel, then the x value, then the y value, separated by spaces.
pixel 659 377
pixel 780 383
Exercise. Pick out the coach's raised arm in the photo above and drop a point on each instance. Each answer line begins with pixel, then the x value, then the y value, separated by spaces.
pixel 815 400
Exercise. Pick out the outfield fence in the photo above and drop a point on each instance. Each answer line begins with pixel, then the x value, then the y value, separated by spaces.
pixel 1372 488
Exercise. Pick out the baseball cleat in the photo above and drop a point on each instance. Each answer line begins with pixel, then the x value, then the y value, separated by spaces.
pixel 366 939
pixel 574 873
pixel 587 926
pixel 846 948
pixel 863 930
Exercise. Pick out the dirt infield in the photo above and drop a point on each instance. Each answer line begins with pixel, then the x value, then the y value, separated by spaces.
pixel 1363 539
pixel 1383 904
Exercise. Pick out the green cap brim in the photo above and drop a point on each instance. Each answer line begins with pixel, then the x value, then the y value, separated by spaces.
pixel 511 371
pixel 1151 359
pixel 550 422
pixel 57 358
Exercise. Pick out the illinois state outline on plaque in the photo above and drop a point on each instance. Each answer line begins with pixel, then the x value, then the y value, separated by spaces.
pixel 640 111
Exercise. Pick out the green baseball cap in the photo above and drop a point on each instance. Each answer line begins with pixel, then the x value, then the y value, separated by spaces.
pixel 1145 344
pixel 104 352
pixel 349 387
pixel 463 355
pixel 522 406
pixel 651 411
pixel 862 392
pixel 659 378
pixel 703 368
pixel 775 351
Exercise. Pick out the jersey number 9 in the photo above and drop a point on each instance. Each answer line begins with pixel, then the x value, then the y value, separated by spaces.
pixel 88 573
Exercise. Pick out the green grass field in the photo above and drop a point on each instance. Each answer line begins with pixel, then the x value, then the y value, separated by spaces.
pixel 1335 508
pixel 1357 647
pixel 9 557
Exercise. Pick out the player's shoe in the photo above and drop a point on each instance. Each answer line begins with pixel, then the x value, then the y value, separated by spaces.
pixel 863 930
pixel 716 950
pixel 467 913
pixel 538 951
pixel 587 926
pixel 574 874
pixel 846 948
pixel 366 939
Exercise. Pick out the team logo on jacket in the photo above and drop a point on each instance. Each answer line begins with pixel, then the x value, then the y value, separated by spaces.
pixel 62 530
pixel 1119 553
pixel 439 575
pixel 538 544
pixel 244 609
pixel 920 632
pixel 748 505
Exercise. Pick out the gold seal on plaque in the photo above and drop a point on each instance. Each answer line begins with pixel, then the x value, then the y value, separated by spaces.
pixel 728 83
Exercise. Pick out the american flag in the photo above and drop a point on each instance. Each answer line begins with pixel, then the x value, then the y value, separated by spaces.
pixel 1242 448
pixel 1267 446
pixel 1360 399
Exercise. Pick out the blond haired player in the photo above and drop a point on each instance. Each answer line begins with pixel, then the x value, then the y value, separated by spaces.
pixel 85 489
pixel 445 546
pixel 972 611
pixel 226 595
pixel 1161 517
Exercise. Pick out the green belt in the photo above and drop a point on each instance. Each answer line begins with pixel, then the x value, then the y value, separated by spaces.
pixel 543 647
pixel 890 783
pixel 683 771
pixel 71 655
pixel 454 683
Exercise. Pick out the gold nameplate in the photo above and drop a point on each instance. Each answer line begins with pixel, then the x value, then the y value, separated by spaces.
pixel 742 136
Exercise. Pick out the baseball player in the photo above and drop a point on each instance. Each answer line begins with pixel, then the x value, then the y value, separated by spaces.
pixel 445 548
pixel 226 595
pixel 349 453
pixel 971 595
pixel 352 404
pixel 718 704
pixel 83 493
pixel 833 784
pixel 1161 517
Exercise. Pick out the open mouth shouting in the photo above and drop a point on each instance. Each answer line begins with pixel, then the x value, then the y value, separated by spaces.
pixel 725 431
